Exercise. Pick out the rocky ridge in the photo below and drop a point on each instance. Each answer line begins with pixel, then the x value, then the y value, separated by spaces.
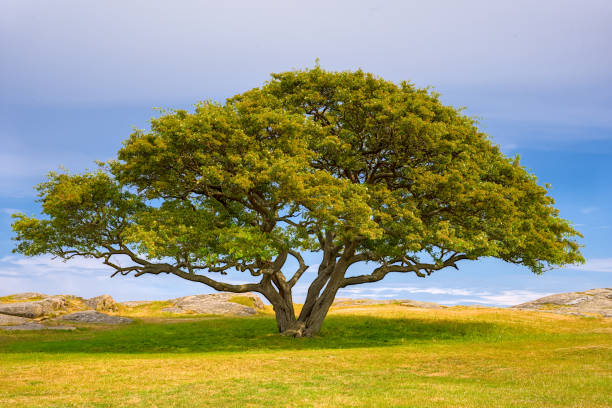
pixel 243 304
pixel 588 303
pixel 28 311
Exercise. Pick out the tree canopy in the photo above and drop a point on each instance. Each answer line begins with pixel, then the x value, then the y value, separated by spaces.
pixel 346 164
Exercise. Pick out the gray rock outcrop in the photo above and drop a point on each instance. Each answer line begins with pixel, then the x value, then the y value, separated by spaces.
pixel 29 296
pixel 35 308
pixel 92 316
pixel 101 303
pixel 587 303
pixel 8 320
pixel 217 303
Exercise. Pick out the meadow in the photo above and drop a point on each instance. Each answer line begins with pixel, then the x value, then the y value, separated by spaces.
pixel 371 356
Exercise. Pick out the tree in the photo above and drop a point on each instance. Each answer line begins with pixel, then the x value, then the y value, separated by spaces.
pixel 346 164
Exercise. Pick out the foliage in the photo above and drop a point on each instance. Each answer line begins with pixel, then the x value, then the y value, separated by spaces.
pixel 343 163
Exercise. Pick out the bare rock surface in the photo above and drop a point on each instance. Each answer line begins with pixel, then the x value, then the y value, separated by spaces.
pixel 29 296
pixel 101 303
pixel 35 326
pixel 587 303
pixel 217 303
pixel 26 326
pixel 8 320
pixel 35 308
pixel 92 316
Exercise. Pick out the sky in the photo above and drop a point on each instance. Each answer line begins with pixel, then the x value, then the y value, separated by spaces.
pixel 76 77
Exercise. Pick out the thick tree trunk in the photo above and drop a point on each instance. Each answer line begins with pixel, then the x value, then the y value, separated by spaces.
pixel 317 305
pixel 285 316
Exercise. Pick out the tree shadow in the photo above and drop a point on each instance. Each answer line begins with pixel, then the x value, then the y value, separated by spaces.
pixel 252 334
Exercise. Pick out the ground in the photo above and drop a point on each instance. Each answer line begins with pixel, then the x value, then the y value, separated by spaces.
pixel 370 356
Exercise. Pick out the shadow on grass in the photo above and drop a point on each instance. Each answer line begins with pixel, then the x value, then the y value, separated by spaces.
pixel 251 334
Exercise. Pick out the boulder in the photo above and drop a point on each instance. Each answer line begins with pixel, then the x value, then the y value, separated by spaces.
pixel 101 303
pixel 92 316
pixel 217 303
pixel 28 296
pixel 35 308
pixel 8 320
pixel 589 302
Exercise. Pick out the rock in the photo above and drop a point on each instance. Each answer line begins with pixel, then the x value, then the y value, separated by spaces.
pixel 422 305
pixel 29 326
pixel 8 320
pixel 217 303
pixel 28 296
pixel 101 303
pixel 173 309
pixel 92 316
pixel 33 309
pixel 36 326
pixel 590 302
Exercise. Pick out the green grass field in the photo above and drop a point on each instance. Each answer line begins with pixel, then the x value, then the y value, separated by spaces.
pixel 376 356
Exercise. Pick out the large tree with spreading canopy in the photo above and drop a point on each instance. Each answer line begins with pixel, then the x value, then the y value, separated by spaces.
pixel 345 164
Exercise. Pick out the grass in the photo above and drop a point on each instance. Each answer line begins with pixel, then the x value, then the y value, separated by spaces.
pixel 367 356
pixel 243 300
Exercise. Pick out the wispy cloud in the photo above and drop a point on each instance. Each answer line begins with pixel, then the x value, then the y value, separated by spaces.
pixel 504 298
pixel 88 278
pixel 595 265
pixel 448 296
pixel 588 210
pixel 408 289
pixel 47 265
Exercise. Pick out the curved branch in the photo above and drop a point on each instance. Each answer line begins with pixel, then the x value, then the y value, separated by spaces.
pixel 301 269
pixel 408 264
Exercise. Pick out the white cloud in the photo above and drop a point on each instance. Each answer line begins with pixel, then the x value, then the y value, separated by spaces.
pixel 595 265
pixel 9 211
pixel 505 298
pixel 48 266
pixel 409 289
pixel 314 268
pixel 441 295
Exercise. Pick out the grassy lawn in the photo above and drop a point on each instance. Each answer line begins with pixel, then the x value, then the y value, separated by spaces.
pixel 376 356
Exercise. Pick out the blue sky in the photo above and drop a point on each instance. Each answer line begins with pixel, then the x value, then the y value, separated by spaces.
pixel 75 77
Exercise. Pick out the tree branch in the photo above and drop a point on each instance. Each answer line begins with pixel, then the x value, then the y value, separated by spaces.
pixel 407 264
pixel 301 269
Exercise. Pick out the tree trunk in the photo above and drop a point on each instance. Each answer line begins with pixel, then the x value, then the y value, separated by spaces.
pixel 317 306
pixel 285 316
